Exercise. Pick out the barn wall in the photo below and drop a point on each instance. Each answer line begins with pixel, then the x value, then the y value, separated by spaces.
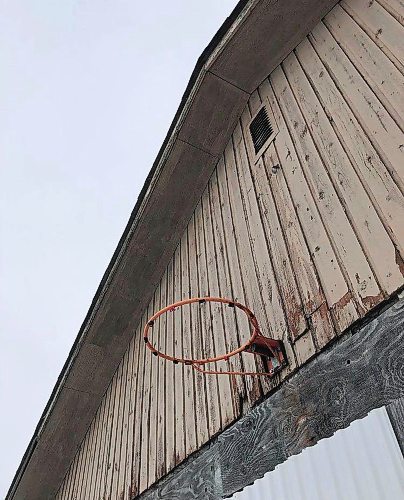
pixel 311 238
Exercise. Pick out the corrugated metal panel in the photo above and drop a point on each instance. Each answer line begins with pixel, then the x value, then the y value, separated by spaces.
pixel 310 236
pixel 362 461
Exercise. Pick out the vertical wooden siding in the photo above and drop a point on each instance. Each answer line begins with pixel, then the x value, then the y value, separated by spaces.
pixel 311 237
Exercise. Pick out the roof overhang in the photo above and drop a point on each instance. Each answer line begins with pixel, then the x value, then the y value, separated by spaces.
pixel 255 38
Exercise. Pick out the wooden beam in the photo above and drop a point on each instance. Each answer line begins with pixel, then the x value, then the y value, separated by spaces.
pixel 395 411
pixel 360 372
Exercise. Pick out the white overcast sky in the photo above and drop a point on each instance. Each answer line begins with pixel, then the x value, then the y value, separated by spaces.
pixel 88 89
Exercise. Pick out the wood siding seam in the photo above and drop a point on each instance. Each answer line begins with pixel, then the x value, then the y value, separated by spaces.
pixel 154 399
pixel 221 341
pixel 201 426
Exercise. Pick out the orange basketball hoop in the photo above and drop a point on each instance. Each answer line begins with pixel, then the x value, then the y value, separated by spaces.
pixel 270 349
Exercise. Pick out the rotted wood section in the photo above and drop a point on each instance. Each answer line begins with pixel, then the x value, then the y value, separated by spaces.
pixel 310 237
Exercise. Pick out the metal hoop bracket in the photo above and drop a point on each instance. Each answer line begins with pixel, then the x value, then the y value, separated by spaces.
pixel 271 350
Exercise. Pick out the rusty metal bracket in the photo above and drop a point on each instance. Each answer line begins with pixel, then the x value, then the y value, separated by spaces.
pixel 272 350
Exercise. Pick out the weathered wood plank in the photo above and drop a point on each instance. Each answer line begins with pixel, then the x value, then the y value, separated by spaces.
pixel 121 415
pixel 380 127
pixel 106 465
pixel 384 192
pixel 196 334
pixel 368 227
pixel 217 331
pixel 146 410
pixel 85 451
pixel 381 26
pixel 283 272
pixel 63 493
pixel 308 282
pixel 70 478
pixel 226 290
pixel 377 70
pixel 162 388
pixel 103 444
pixel 154 396
pixel 348 250
pixel 395 8
pixel 248 363
pixel 92 439
pixel 395 411
pixel 170 375
pixel 76 481
pixel 179 369
pixel 190 424
pixel 362 371
pixel 304 348
pixel 335 288
pixel 98 448
pixel 212 389
pixel 139 409
pixel 81 470
pixel 115 427
pixel 122 490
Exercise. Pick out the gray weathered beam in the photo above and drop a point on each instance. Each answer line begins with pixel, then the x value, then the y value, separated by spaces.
pixel 395 411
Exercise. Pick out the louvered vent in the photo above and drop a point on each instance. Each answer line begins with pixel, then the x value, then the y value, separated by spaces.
pixel 260 129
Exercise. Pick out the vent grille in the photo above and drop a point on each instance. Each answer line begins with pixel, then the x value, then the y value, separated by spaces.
pixel 260 129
